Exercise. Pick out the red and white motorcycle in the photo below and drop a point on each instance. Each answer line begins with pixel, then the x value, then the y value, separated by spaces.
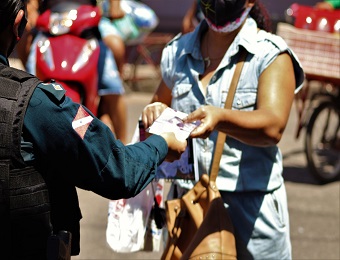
pixel 67 52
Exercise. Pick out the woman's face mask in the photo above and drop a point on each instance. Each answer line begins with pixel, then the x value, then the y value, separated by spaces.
pixel 224 15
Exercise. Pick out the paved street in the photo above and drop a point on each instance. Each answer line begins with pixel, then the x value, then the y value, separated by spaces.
pixel 314 209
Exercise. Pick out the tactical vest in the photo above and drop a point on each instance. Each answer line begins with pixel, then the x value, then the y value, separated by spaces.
pixel 24 200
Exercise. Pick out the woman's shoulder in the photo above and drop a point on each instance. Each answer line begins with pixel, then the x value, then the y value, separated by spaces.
pixel 268 38
pixel 179 40
pixel 179 45
pixel 272 45
pixel 188 40
pixel 259 41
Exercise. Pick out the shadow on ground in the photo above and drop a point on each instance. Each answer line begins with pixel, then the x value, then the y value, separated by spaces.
pixel 298 173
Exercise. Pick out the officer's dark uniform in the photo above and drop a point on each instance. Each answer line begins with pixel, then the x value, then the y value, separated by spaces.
pixel 71 148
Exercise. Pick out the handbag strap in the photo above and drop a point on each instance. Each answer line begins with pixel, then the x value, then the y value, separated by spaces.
pixel 221 137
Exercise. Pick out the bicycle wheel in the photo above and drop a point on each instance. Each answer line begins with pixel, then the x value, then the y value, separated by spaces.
pixel 322 144
pixel 145 74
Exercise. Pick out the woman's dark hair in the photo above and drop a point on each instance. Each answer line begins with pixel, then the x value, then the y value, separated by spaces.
pixel 260 14
pixel 8 11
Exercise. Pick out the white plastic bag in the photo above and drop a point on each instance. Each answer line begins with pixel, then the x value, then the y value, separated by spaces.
pixel 127 220
pixel 129 227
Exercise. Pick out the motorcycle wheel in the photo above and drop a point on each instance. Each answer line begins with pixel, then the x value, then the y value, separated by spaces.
pixel 322 143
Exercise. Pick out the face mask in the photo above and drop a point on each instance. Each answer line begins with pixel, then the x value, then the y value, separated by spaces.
pixel 224 15
pixel 230 26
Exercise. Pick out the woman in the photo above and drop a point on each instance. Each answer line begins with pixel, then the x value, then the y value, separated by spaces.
pixel 197 69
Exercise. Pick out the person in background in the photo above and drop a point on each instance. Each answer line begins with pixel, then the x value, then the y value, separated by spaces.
pixel 328 5
pixel 48 140
pixel 115 104
pixel 192 17
pixel 197 68
pixel 110 35
pixel 112 106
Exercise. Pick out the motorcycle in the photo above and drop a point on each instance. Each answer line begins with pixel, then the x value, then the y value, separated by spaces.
pixel 311 18
pixel 313 34
pixel 67 52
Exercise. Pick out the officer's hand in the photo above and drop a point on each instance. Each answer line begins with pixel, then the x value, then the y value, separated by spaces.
pixel 175 146
pixel 151 112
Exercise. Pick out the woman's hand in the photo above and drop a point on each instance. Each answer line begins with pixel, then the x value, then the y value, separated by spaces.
pixel 209 117
pixel 151 112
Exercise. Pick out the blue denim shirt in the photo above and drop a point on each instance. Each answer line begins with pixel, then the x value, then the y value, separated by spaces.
pixel 242 167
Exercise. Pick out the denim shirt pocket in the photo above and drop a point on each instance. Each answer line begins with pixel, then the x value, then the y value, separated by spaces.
pixel 182 98
pixel 181 89
pixel 245 101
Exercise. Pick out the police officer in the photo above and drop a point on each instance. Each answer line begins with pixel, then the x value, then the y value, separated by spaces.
pixel 49 146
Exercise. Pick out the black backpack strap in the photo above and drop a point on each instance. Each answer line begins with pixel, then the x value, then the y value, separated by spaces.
pixel 8 97
pixel 16 90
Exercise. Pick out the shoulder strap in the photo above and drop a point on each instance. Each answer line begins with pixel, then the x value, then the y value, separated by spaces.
pixel 221 137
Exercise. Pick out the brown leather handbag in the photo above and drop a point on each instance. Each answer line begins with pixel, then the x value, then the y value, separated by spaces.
pixel 199 226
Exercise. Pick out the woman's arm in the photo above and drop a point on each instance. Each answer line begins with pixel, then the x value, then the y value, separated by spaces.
pixel 265 125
